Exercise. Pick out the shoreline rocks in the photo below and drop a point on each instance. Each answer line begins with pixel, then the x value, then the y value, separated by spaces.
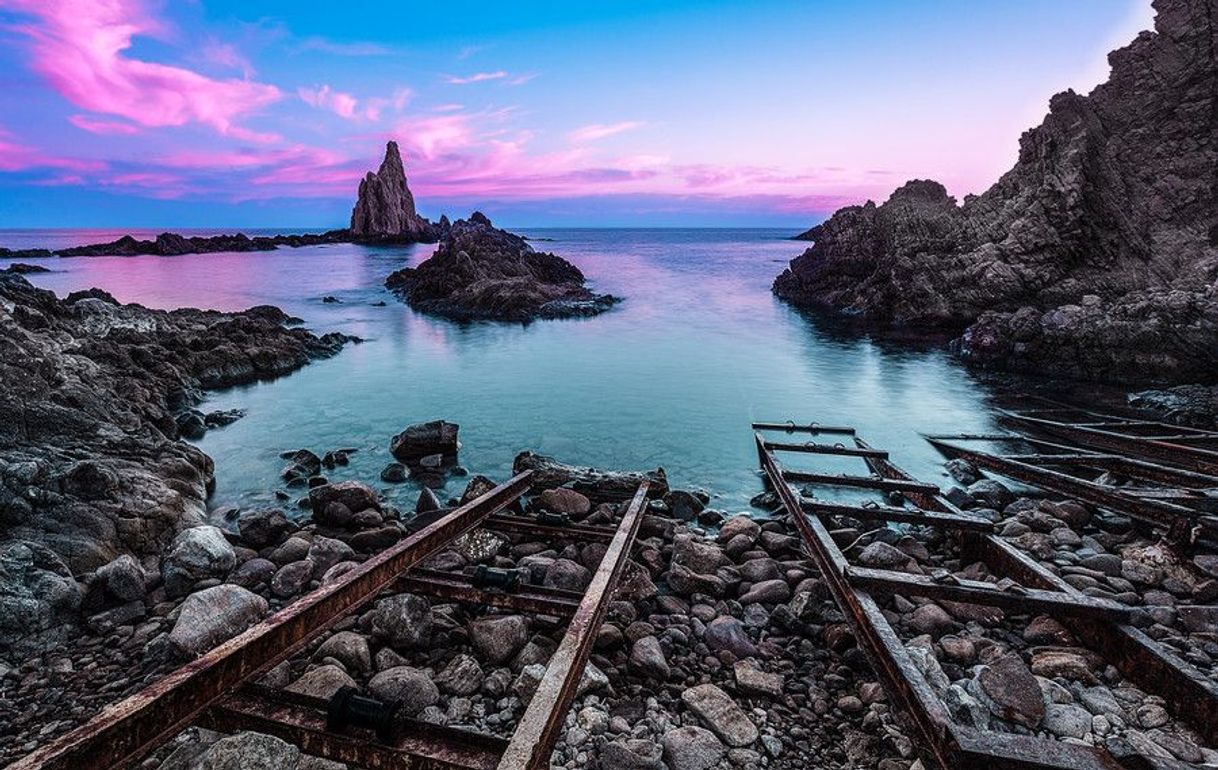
pixel 91 417
pixel 1093 258
pixel 480 272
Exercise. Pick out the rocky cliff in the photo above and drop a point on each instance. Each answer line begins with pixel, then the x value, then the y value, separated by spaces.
pixel 385 208
pixel 95 396
pixel 482 272
pixel 1094 257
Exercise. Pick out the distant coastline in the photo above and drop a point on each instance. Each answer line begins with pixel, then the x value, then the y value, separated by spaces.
pixel 173 244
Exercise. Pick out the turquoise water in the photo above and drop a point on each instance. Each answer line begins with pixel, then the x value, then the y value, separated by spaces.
pixel 672 377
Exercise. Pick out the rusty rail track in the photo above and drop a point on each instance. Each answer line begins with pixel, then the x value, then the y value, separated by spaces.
pixel 1100 624
pixel 218 690
pixel 1178 511
pixel 1192 448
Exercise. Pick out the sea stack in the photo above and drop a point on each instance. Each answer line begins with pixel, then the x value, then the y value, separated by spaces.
pixel 1094 257
pixel 385 209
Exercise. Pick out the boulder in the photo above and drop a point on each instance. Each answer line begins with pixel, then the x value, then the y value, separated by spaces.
pixel 212 616
pixel 39 599
pixel 498 638
pixel 197 553
pixel 462 676
pixel 409 687
pixel 1012 691
pixel 248 751
pixel 349 648
pixel 423 439
pixel 322 682
pixel 647 659
pixel 123 578
pixel 403 621
pixel 355 496
pixel 264 527
pixel 384 209
pixel 563 500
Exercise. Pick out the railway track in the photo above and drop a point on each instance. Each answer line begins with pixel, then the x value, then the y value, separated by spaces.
pixel 220 691
pixel 1027 588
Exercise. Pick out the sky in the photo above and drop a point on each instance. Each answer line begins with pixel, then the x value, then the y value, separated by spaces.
pixel 227 113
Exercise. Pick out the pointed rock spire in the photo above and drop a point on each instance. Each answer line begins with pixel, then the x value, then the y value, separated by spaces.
pixel 385 208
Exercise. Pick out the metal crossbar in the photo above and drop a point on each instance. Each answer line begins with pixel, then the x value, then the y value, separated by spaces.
pixel 217 690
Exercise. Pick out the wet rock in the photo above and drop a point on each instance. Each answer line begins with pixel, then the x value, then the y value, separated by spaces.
pixel 767 592
pixel 423 439
pixel 598 486
pixel 990 493
pixel 740 525
pixel 198 553
pixel 264 527
pixel 407 686
pixel 427 501
pixel 403 621
pixel 721 714
pixel 394 473
pixel 499 638
pixel 325 552
pixel 212 616
pixel 355 496
pixel 881 555
pixel 692 748
pixel 682 505
pixel 563 500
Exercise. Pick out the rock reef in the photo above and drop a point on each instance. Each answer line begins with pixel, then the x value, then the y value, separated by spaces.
pixel 174 245
pixel 95 397
pixel 385 208
pixel 480 272
pixel 1095 257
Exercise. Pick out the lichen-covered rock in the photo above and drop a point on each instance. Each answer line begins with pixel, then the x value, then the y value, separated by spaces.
pixel 1094 257
pixel 482 272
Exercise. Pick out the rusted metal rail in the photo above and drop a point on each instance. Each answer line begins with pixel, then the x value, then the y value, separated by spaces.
pixel 218 690
pixel 1191 448
pixel 1184 526
pixel 945 743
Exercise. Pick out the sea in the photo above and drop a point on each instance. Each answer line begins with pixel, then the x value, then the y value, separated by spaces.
pixel 672 377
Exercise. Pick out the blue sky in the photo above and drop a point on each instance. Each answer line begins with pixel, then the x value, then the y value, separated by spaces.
pixel 222 113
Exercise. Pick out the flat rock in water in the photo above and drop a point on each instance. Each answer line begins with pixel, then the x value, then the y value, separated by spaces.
pixel 721 714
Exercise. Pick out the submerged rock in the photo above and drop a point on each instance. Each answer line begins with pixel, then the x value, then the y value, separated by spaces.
pixel 1094 257
pixel 480 272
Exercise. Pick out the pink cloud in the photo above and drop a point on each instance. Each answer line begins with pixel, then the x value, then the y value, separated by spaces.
pixel 102 126
pixel 15 156
pixel 591 133
pixel 80 47
pixel 349 107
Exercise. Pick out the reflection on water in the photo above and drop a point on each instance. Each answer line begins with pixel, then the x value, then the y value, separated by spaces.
pixel 671 377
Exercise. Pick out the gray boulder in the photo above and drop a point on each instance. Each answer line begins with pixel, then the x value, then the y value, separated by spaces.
pixel 198 553
pixel 212 616
pixel 403 621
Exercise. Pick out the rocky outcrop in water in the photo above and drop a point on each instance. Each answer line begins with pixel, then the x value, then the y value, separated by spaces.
pixel 1094 257
pixel 93 399
pixel 482 272
pixel 174 245
pixel 385 208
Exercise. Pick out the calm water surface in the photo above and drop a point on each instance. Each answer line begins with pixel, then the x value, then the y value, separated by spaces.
pixel 672 377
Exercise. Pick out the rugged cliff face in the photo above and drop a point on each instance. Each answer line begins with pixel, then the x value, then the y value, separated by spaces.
pixel 95 397
pixel 482 272
pixel 385 208
pixel 1095 256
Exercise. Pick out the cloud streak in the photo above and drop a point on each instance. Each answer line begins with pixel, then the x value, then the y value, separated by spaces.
pixel 595 131
pixel 477 77
pixel 81 48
